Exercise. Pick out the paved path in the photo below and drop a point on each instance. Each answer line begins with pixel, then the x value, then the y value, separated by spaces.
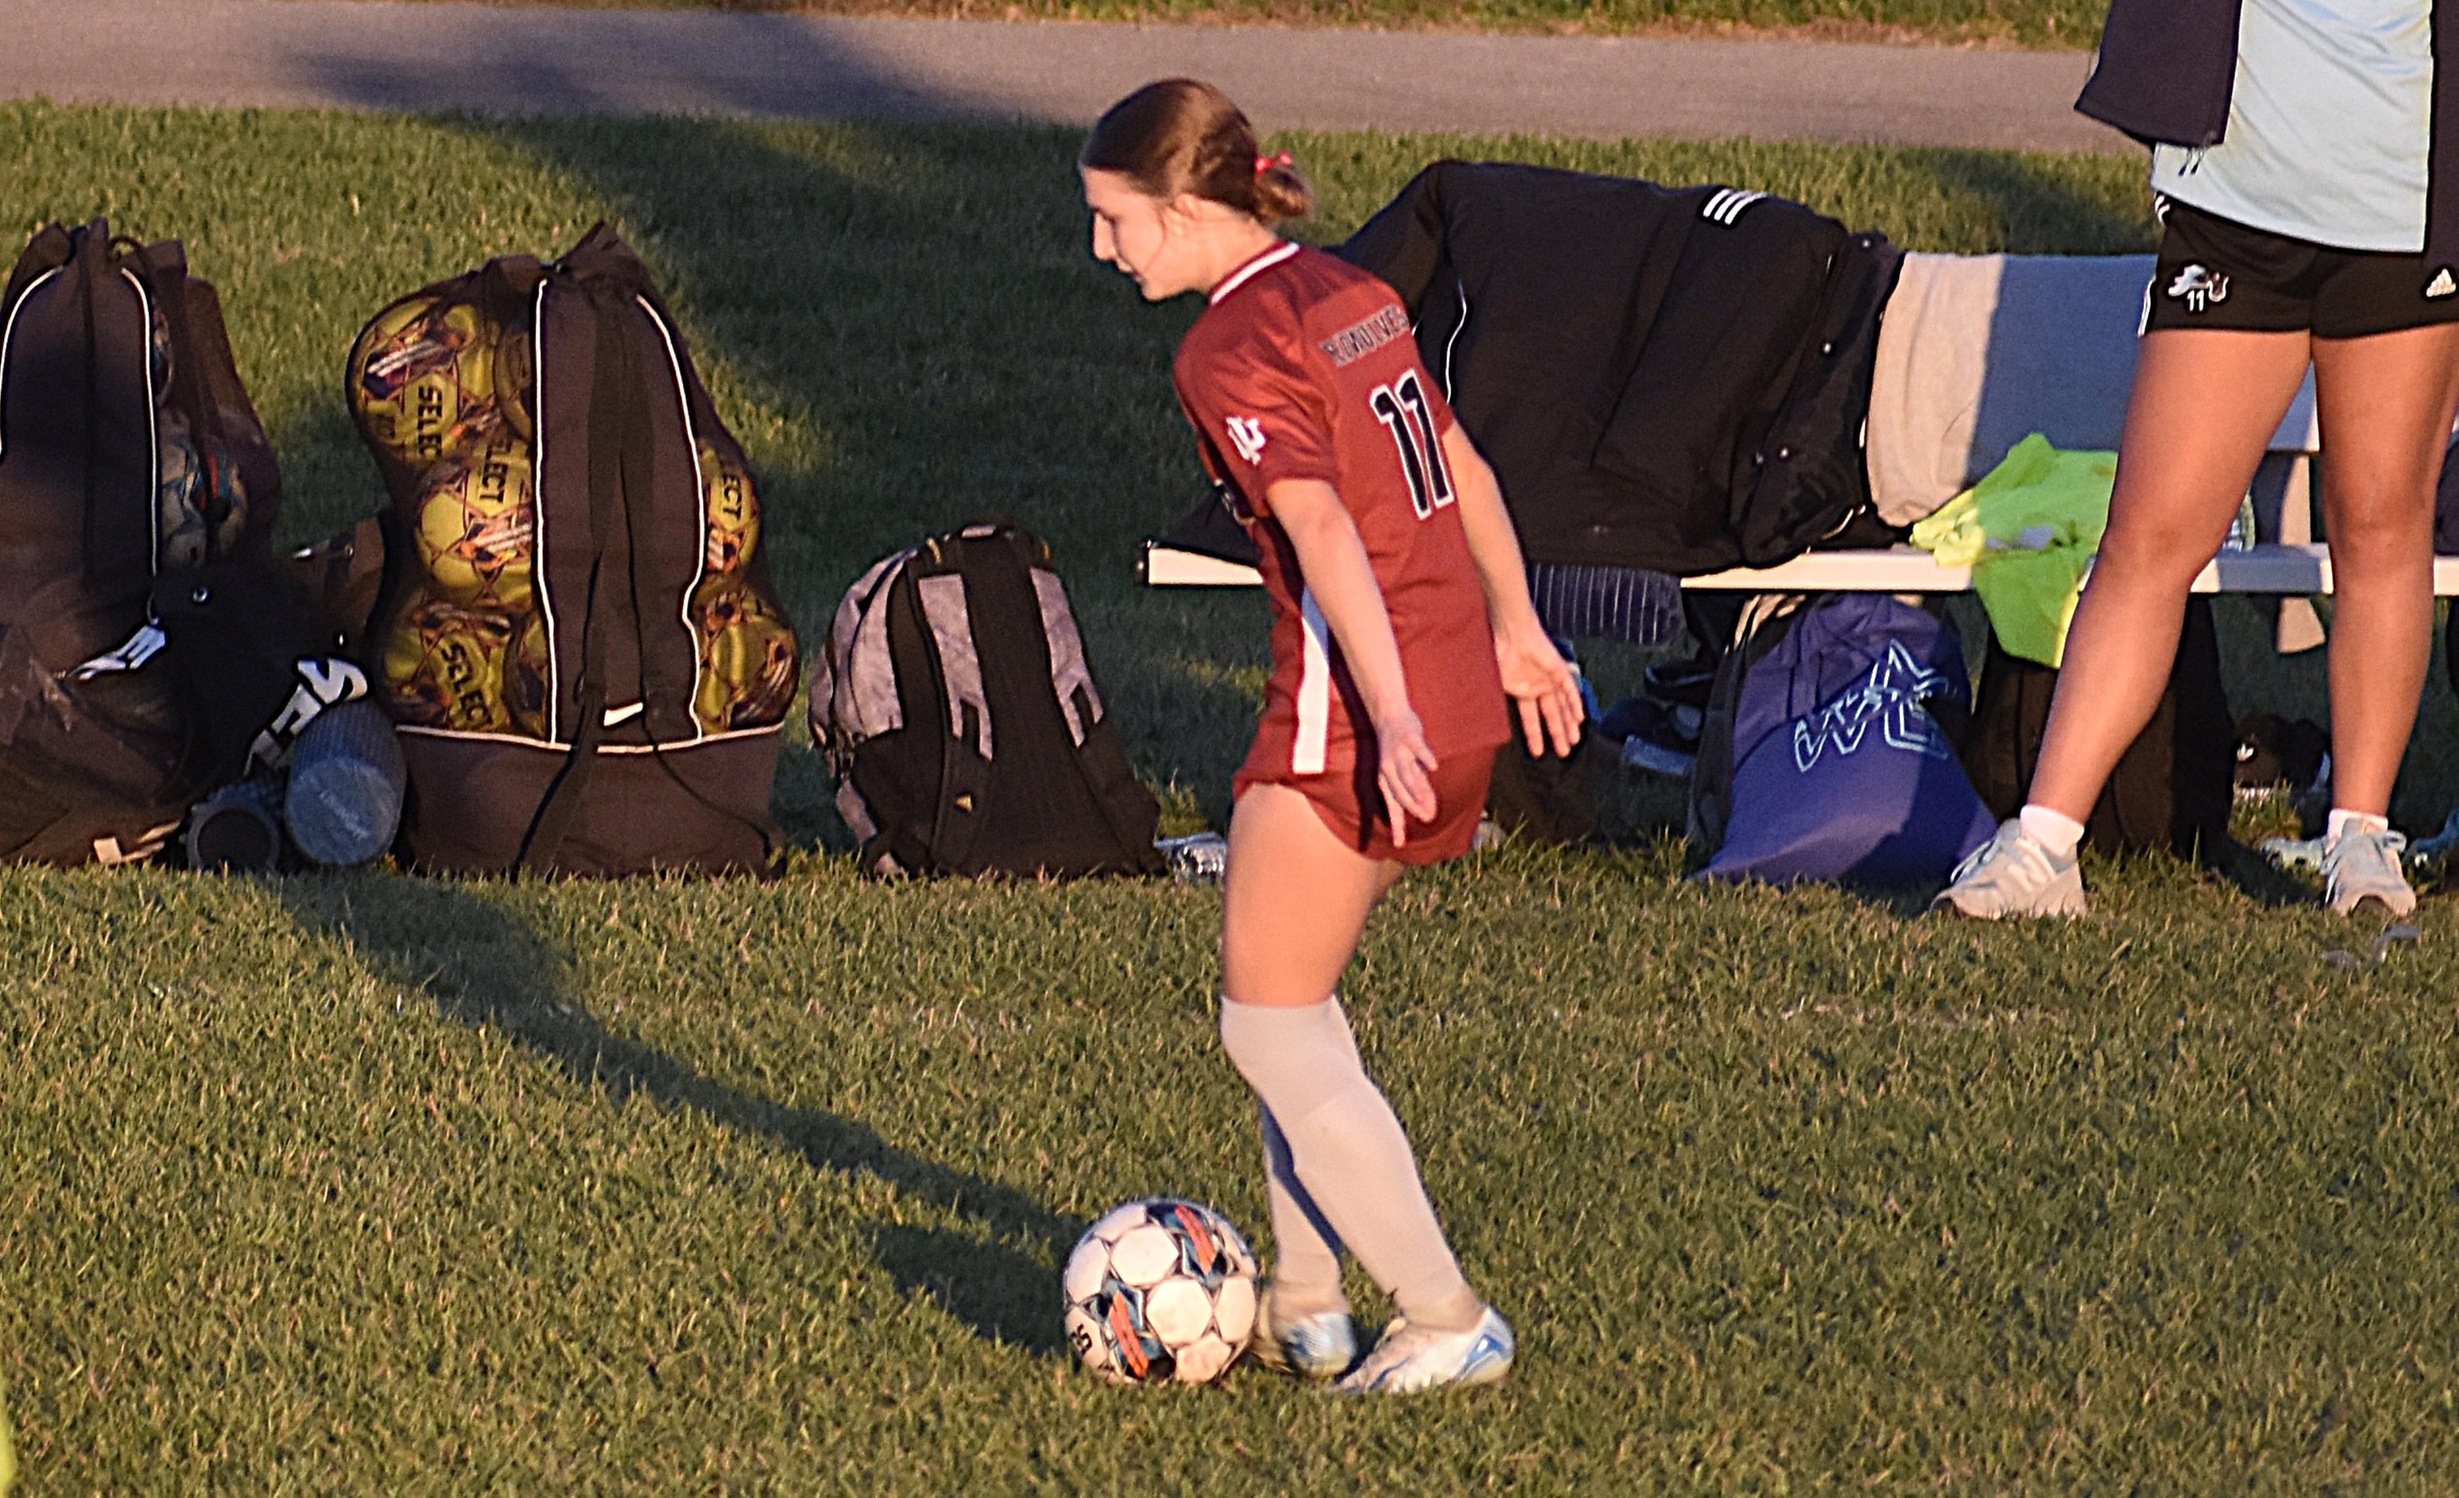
pixel 380 54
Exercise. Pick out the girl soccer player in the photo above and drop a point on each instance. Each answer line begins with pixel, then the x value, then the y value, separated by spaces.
pixel 1401 624
pixel 2308 191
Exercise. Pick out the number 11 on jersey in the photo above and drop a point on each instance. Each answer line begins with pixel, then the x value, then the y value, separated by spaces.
pixel 1402 408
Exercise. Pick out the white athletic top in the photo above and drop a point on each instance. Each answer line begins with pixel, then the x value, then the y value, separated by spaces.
pixel 2328 126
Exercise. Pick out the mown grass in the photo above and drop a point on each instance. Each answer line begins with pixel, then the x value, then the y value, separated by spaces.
pixel 2027 23
pixel 375 1184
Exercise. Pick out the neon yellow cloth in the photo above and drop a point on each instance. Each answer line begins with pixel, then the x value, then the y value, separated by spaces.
pixel 2028 531
pixel 8 1455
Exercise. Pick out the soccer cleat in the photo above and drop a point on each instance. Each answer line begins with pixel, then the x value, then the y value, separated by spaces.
pixel 1319 1347
pixel 2012 874
pixel 1411 1358
pixel 2362 866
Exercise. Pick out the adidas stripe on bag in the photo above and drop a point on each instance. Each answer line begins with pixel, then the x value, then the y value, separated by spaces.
pixel 960 716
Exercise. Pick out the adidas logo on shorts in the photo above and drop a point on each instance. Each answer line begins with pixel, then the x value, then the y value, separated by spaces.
pixel 2441 285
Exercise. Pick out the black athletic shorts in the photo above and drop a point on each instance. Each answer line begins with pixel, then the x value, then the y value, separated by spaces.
pixel 2217 273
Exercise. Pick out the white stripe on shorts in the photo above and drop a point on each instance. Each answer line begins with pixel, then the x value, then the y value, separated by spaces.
pixel 1314 689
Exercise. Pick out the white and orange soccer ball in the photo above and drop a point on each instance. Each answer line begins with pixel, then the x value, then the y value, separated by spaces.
pixel 1160 1291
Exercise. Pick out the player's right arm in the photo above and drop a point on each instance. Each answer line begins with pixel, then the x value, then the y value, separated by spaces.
pixel 1333 559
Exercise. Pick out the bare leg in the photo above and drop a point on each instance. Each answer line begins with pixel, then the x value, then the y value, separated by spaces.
pixel 2386 404
pixel 2204 407
pixel 1295 901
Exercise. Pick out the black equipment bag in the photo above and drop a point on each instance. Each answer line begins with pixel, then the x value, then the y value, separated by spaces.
pixel 577 636
pixel 150 649
pixel 960 716
pixel 2176 783
pixel 1547 798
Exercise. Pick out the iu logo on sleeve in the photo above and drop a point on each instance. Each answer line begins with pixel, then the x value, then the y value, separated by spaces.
pixel 1247 435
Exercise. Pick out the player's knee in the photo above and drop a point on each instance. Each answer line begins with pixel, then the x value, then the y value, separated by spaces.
pixel 2383 518
pixel 2153 557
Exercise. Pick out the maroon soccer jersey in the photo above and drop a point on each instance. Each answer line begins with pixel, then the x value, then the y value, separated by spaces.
pixel 1304 367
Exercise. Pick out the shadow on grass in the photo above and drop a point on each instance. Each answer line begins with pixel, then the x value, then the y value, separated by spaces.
pixel 484 967
pixel 2042 215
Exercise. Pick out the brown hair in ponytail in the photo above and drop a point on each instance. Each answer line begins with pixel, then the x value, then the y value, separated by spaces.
pixel 1182 136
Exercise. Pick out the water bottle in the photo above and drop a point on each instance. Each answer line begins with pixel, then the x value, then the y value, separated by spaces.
pixel 237 830
pixel 346 783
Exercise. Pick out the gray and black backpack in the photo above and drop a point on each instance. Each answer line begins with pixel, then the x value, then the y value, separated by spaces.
pixel 960 716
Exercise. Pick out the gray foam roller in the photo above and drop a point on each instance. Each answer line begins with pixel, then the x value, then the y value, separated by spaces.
pixel 346 783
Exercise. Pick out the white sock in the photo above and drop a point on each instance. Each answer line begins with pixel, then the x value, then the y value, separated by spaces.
pixel 2054 830
pixel 1349 1154
pixel 2343 820
pixel 1306 1252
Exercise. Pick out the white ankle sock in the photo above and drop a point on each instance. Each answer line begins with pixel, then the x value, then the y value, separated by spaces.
pixel 2353 821
pixel 2054 830
pixel 1349 1155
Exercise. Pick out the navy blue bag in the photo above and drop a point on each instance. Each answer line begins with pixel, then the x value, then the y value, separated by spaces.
pixel 1824 758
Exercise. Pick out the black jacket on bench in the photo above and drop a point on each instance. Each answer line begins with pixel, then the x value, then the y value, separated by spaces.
pixel 1666 378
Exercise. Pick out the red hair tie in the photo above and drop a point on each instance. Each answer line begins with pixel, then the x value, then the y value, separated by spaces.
pixel 1264 164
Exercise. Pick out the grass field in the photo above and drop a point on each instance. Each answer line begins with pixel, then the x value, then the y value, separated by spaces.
pixel 373 1184
pixel 2026 23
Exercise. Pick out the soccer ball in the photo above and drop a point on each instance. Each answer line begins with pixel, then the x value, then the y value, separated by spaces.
pixel 476 525
pixel 422 379
pixel 474 670
pixel 733 508
pixel 747 656
pixel 1160 1291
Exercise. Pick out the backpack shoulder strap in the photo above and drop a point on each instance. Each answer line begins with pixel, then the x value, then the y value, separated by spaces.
pixel 610 415
pixel 1098 761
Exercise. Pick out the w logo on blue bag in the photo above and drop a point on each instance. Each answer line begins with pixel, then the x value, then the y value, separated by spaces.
pixel 1838 768
pixel 1890 696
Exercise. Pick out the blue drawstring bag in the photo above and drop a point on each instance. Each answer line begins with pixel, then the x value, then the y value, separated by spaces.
pixel 1836 766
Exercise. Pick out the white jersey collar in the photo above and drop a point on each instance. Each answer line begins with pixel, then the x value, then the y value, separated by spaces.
pixel 1253 268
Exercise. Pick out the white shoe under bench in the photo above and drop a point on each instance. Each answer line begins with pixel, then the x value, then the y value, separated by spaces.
pixel 2012 874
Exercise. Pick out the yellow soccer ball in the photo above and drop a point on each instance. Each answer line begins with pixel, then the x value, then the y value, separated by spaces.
pixel 733 510
pixel 444 667
pixel 747 657
pixel 516 380
pixel 477 526
pixel 422 379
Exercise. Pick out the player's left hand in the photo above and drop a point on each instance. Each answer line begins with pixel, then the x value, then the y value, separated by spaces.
pixel 1544 686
